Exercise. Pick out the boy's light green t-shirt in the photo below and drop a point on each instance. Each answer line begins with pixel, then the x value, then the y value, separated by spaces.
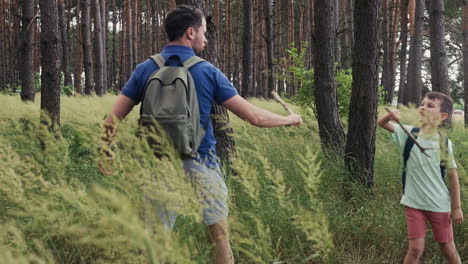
pixel 425 189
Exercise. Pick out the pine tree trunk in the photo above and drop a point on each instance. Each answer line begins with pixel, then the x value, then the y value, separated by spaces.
pixel 2 46
pixel 87 57
pixel 113 59
pixel 98 50
pixel 50 61
pixel 403 51
pixel 414 86
pixel 78 53
pixel 129 55
pixel 393 45
pixel 105 47
pixel 27 55
pixel 269 44
pixel 154 26
pixel 360 142
pixel 465 57
pixel 247 50
pixel 412 14
pixel 386 76
pixel 439 64
pixel 328 117
pixel 65 45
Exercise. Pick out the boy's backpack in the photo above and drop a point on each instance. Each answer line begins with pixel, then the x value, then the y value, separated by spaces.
pixel 409 145
pixel 170 102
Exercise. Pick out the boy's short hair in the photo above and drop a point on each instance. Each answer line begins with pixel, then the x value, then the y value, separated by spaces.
pixel 180 18
pixel 446 105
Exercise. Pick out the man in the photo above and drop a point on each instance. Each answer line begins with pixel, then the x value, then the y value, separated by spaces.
pixel 186 27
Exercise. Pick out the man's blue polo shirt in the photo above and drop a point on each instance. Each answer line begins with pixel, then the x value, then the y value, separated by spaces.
pixel 211 85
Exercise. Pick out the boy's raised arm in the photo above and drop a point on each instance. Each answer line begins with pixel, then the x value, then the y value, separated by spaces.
pixel 385 123
pixel 457 214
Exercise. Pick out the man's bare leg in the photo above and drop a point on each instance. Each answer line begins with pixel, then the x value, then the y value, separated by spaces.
pixel 219 236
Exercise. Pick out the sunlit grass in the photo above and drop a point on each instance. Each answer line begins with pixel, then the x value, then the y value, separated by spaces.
pixel 287 203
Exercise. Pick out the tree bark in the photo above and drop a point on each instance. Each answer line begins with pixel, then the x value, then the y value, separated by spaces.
pixel 360 142
pixel 129 55
pixel 386 76
pixel 439 64
pixel 2 46
pixel 328 117
pixel 98 50
pixel 105 47
pixel 414 86
pixel 247 50
pixel 269 44
pixel 87 57
pixel 65 43
pixel 403 51
pixel 465 57
pixel 27 52
pixel 50 62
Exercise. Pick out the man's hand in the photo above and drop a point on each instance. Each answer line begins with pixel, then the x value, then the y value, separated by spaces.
pixel 106 158
pixel 457 216
pixel 296 120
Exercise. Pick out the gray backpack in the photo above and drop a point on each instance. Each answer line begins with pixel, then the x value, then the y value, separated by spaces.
pixel 170 104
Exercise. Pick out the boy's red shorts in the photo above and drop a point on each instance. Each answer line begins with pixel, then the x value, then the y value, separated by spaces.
pixel 441 224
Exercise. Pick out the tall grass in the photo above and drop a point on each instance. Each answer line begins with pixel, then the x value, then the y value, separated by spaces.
pixel 286 200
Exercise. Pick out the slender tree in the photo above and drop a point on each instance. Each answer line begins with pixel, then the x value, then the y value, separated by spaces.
pixel 105 47
pixel 439 64
pixel 65 43
pixel 27 48
pixel 404 47
pixel 78 53
pixel 414 86
pixel 328 117
pixel 87 57
pixel 465 57
pixel 50 61
pixel 129 55
pixel 247 50
pixel 386 75
pixel 360 142
pixel 2 46
pixel 98 57
pixel 269 44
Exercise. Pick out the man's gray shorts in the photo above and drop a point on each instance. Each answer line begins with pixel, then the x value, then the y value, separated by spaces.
pixel 212 188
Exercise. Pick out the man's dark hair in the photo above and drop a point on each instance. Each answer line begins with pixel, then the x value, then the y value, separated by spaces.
pixel 446 105
pixel 180 18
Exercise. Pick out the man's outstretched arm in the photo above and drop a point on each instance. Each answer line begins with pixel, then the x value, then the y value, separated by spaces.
pixel 258 116
pixel 122 106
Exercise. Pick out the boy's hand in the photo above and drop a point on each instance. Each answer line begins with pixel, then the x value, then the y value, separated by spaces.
pixel 385 123
pixel 457 216
pixel 394 115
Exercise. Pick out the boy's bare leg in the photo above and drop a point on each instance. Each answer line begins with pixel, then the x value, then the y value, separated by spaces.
pixel 415 250
pixel 219 237
pixel 450 252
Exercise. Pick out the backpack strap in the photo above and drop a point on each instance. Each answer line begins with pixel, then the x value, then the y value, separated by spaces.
pixel 406 153
pixel 158 58
pixel 443 143
pixel 192 61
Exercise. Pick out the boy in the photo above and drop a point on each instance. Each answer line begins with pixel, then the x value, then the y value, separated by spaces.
pixel 425 195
